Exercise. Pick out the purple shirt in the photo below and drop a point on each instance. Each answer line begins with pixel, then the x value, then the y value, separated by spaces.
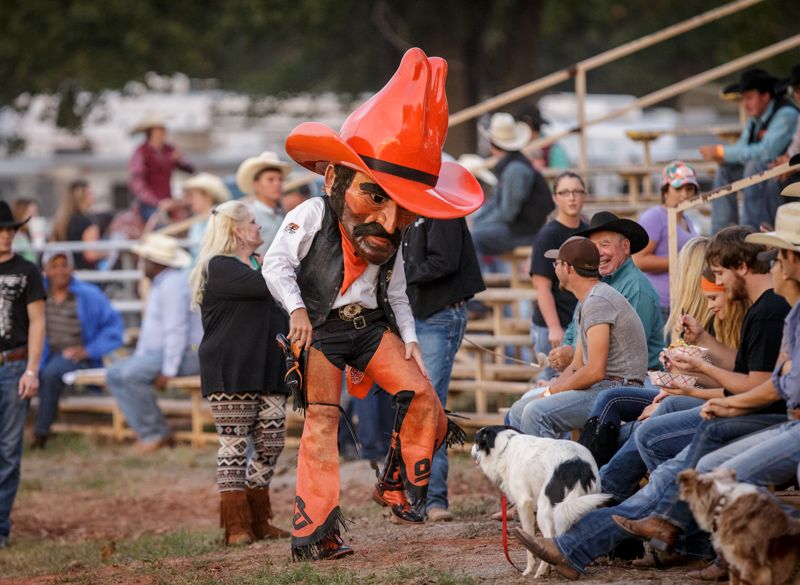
pixel 654 221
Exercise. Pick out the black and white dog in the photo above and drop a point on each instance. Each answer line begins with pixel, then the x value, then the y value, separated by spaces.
pixel 553 482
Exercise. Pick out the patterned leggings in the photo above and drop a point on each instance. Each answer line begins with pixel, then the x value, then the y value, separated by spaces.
pixel 243 419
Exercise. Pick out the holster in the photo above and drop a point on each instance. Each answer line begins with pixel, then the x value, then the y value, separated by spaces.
pixel 295 371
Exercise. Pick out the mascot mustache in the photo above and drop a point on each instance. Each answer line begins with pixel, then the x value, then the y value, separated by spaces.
pixel 376 229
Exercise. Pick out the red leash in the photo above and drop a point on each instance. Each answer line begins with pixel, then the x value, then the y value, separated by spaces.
pixel 504 516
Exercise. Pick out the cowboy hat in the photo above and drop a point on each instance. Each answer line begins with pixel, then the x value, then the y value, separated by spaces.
pixel 605 221
pixel 163 250
pixel 148 122
pixel 210 184
pixel 506 133
pixel 7 217
pixel 757 79
pixel 396 139
pixel 249 169
pixel 476 165
pixel 793 188
pixel 787 229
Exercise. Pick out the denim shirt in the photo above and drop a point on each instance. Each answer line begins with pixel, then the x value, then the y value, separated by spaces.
pixel 631 282
pixel 788 385
pixel 774 142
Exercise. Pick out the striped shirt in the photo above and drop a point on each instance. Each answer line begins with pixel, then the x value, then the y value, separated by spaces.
pixel 62 323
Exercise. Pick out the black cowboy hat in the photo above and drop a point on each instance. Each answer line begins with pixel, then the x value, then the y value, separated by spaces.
pixel 605 221
pixel 757 79
pixel 7 218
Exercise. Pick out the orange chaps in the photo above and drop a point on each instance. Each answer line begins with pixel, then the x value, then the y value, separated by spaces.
pixel 420 428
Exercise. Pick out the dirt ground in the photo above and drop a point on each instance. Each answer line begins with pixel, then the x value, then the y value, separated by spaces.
pixel 92 512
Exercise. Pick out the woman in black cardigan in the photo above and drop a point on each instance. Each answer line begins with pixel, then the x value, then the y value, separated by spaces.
pixel 241 370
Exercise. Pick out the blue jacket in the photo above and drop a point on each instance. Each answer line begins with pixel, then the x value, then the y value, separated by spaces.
pixel 101 326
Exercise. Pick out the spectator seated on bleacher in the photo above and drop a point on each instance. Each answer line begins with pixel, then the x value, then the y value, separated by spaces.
pixel 794 147
pixel 167 345
pixel 81 328
pixel 521 200
pixel 552 156
pixel 678 183
pixel 771 121
pixel 554 307
pixel 654 512
pixel 611 351
pixel 202 192
pixel 616 239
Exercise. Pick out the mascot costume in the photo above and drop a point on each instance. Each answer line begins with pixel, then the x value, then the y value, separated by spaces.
pixel 336 268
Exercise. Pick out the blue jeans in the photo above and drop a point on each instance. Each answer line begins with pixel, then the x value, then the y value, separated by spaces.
pixel 710 436
pixel 622 404
pixel 620 477
pixel 552 415
pixel 664 435
pixel 50 387
pixel 12 424
pixel 375 414
pixel 131 382
pixel 439 337
pixel 541 343
pixel 596 534
pixel 760 201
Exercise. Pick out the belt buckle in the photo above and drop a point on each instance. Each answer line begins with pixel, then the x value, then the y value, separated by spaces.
pixel 350 312
pixel 359 322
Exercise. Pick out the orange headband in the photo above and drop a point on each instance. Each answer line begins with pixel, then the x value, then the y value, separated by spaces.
pixel 710 287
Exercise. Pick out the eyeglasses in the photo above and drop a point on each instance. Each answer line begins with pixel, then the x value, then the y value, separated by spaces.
pixel 573 192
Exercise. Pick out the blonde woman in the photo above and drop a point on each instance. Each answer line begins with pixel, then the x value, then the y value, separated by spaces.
pixel 71 223
pixel 241 370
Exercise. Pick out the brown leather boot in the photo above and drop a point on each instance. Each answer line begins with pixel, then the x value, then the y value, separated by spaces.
pixel 235 518
pixel 546 549
pixel 261 510
pixel 662 534
pixel 715 572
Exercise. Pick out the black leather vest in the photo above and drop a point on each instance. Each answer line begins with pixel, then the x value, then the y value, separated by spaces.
pixel 321 272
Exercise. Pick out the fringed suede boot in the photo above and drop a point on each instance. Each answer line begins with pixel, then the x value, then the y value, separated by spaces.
pixel 235 518
pixel 261 511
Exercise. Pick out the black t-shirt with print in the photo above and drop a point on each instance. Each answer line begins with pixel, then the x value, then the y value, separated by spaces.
pixel 760 341
pixel 20 284
pixel 550 237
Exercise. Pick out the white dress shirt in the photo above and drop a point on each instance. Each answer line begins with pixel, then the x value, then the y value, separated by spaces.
pixel 290 246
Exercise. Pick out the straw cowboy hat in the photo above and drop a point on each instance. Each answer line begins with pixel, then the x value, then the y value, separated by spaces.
pixel 163 250
pixel 506 133
pixel 605 221
pixel 792 189
pixel 149 121
pixel 7 217
pixel 247 171
pixel 396 139
pixel 210 184
pixel 787 230
pixel 476 165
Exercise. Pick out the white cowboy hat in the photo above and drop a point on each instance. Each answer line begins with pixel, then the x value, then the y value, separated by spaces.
pixel 149 121
pixel 476 165
pixel 247 171
pixel 163 250
pixel 209 183
pixel 791 190
pixel 787 229
pixel 506 133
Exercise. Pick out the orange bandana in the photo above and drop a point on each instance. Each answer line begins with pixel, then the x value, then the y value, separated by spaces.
pixel 710 287
pixel 354 265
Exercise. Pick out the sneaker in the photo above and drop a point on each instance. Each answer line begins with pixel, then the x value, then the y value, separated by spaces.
pixel 437 514
pixel 3 541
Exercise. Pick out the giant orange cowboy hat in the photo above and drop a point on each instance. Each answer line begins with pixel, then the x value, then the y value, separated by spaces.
pixel 396 138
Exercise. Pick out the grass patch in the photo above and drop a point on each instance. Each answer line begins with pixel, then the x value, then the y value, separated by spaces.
pixel 39 557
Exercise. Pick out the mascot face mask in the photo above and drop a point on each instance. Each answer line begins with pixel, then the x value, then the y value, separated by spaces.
pixel 371 220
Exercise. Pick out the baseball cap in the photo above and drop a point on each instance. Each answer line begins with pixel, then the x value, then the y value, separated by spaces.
pixel 677 174
pixel 578 252
pixel 52 253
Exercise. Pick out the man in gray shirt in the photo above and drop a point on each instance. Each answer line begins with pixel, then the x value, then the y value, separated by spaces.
pixel 611 350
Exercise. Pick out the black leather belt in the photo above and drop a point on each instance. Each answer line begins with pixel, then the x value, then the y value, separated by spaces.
pixel 355 316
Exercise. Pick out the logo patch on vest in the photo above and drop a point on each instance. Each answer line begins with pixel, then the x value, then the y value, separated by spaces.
pixel 291 228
